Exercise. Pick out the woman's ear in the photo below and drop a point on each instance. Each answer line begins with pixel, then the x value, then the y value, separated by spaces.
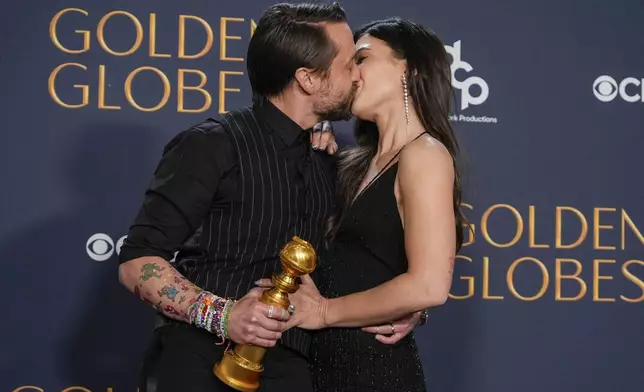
pixel 404 68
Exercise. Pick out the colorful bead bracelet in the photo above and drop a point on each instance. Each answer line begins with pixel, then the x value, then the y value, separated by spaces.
pixel 210 312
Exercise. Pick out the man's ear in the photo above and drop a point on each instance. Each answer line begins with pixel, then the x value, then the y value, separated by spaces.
pixel 307 80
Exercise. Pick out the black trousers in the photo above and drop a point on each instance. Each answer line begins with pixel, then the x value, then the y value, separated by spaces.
pixel 180 359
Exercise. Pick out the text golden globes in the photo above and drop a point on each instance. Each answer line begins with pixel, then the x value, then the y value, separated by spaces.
pixel 565 272
pixel 91 35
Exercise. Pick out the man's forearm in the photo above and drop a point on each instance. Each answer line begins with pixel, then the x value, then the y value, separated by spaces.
pixel 160 285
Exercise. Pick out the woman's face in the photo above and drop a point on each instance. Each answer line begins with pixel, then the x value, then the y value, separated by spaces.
pixel 380 84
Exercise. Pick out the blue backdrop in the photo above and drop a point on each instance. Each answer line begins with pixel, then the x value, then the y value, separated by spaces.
pixel 548 292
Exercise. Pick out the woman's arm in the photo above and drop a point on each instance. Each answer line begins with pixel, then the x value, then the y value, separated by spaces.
pixel 425 186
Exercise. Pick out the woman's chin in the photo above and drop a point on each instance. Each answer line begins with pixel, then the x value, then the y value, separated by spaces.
pixel 358 111
pixel 355 108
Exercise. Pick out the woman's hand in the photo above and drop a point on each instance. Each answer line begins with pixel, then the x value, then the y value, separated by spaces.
pixel 323 138
pixel 309 306
pixel 391 333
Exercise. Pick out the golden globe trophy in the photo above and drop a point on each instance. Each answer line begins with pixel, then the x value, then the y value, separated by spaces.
pixel 241 366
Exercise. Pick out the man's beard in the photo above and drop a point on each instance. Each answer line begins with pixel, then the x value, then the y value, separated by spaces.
pixel 339 110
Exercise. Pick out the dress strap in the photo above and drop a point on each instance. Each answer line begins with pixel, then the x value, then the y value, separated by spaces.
pixel 384 168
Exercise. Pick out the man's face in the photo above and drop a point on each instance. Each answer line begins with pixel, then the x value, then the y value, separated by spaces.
pixel 339 87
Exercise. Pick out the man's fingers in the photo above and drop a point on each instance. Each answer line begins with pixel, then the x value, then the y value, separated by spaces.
pixel 255 292
pixel 276 314
pixel 263 342
pixel 389 339
pixel 264 283
pixel 267 334
pixel 272 325
pixel 386 330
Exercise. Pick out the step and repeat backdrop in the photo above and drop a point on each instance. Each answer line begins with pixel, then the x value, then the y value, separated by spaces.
pixel 549 108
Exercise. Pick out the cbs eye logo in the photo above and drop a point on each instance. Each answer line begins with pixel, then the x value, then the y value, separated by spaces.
pixel 606 89
pixel 101 247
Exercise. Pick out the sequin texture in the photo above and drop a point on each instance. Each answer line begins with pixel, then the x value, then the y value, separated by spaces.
pixel 368 251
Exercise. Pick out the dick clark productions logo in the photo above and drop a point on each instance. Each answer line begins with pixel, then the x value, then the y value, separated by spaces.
pixel 465 86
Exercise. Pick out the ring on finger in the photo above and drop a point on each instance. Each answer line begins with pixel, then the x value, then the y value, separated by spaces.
pixel 393 329
pixel 291 309
pixel 271 309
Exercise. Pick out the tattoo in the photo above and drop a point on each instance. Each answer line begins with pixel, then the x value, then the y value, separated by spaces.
pixel 137 293
pixel 183 282
pixel 168 291
pixel 149 270
pixel 451 265
pixel 171 310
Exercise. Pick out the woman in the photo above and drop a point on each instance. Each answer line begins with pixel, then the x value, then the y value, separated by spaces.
pixel 394 242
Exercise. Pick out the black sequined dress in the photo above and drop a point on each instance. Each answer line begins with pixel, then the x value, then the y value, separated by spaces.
pixel 368 250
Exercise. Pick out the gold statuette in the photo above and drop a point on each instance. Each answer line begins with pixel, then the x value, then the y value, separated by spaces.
pixel 241 366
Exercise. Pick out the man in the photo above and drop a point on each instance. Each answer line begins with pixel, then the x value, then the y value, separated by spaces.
pixel 229 193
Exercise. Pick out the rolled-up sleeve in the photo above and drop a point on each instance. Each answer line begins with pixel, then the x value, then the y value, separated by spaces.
pixel 180 194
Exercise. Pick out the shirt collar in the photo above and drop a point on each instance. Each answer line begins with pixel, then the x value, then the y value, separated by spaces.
pixel 287 129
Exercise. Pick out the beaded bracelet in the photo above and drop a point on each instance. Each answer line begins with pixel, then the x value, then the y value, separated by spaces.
pixel 210 312
pixel 224 319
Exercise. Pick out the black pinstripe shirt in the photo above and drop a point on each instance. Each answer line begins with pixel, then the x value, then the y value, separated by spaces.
pixel 228 194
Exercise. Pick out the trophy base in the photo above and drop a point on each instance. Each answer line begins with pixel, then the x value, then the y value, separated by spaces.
pixel 238 373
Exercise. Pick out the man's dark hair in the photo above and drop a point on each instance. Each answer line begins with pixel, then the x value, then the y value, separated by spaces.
pixel 287 37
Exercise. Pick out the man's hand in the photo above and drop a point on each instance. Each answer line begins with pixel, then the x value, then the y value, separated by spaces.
pixel 309 306
pixel 323 138
pixel 400 327
pixel 249 321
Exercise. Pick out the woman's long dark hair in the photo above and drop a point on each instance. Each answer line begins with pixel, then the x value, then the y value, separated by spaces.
pixel 429 80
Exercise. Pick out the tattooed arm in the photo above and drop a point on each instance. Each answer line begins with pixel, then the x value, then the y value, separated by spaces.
pixel 158 284
pixel 184 185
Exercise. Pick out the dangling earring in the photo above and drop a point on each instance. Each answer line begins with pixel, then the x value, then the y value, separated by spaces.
pixel 406 93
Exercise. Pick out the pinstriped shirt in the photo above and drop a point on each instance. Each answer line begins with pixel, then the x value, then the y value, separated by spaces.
pixel 228 194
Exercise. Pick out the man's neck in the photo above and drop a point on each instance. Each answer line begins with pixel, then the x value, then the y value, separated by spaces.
pixel 297 109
